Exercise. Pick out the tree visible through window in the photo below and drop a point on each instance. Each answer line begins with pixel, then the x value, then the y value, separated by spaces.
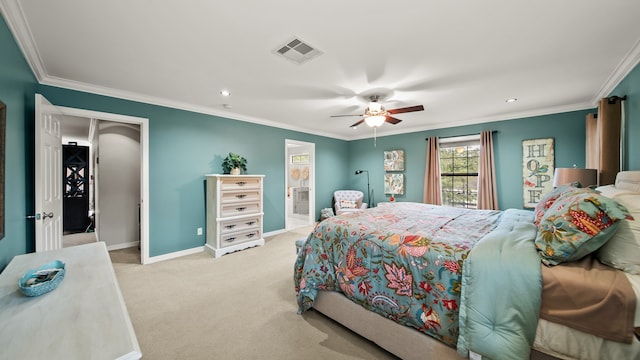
pixel 459 173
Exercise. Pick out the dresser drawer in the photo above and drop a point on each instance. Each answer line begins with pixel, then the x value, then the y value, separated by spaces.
pixel 239 183
pixel 231 197
pixel 250 223
pixel 227 210
pixel 239 237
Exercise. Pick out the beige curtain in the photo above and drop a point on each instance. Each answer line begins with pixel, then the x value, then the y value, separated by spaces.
pixel 603 140
pixel 609 121
pixel 592 142
pixel 432 193
pixel 487 191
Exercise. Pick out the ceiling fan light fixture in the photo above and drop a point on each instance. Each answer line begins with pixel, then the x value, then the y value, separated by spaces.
pixel 375 107
pixel 375 114
pixel 375 120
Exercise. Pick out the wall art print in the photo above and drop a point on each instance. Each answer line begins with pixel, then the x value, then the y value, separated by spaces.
pixel 394 160
pixel 537 170
pixel 394 184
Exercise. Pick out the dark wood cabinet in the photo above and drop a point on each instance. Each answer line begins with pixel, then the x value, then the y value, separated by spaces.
pixel 75 188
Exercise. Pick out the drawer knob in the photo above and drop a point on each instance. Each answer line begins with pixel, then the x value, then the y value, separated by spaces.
pixel 241 208
pixel 241 196
pixel 229 239
pixel 240 183
pixel 251 235
pixel 230 226
pixel 250 223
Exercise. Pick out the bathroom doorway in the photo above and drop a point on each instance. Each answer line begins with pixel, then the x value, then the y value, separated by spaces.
pixel 300 184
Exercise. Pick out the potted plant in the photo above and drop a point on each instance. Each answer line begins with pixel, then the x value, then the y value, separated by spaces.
pixel 233 163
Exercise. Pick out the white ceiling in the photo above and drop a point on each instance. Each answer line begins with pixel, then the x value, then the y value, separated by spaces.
pixel 460 59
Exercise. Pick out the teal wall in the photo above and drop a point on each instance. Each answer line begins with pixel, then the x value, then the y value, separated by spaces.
pixel 630 87
pixel 17 86
pixel 567 129
pixel 185 145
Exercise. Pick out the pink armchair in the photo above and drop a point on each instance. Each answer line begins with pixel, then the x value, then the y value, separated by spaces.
pixel 348 201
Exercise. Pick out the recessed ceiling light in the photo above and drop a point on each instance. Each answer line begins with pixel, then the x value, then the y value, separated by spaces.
pixel 512 100
pixel 225 92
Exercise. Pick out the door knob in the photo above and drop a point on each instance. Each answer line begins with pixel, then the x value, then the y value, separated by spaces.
pixel 45 215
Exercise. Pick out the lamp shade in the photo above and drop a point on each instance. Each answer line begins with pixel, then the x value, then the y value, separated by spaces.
pixel 586 177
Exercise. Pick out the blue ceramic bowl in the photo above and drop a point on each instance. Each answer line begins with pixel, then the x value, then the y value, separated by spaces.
pixel 47 277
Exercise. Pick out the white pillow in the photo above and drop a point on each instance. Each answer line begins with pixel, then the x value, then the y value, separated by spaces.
pixel 611 191
pixel 348 204
pixel 622 251
pixel 628 180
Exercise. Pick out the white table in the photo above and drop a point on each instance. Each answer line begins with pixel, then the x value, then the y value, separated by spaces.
pixel 85 317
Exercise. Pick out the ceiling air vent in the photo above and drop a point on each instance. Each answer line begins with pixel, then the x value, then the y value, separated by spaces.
pixel 297 51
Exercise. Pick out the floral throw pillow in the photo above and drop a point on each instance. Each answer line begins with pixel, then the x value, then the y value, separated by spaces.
pixel 576 225
pixel 547 201
pixel 347 204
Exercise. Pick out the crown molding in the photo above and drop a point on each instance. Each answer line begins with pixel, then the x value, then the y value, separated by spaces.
pixel 131 96
pixel 17 23
pixel 626 65
pixel 484 120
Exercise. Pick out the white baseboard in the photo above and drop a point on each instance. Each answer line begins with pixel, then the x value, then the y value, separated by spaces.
pixel 191 251
pixel 176 254
pixel 123 245
pixel 275 232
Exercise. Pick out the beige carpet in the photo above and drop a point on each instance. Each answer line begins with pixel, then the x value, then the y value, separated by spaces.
pixel 239 306
pixel 78 239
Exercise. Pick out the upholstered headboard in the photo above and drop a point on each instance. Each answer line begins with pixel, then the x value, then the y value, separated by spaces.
pixel 628 180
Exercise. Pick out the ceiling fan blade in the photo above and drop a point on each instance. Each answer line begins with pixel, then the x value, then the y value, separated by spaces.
pixel 358 123
pixel 346 115
pixel 392 120
pixel 406 109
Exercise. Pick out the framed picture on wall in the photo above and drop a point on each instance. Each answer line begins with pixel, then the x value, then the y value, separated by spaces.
pixel 394 160
pixel 538 164
pixel 394 184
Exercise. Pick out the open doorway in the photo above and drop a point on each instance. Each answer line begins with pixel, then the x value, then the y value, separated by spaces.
pixel 118 151
pixel 300 184
pixel 78 226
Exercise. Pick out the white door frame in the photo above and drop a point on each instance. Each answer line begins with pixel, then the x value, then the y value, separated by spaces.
pixel 144 166
pixel 312 180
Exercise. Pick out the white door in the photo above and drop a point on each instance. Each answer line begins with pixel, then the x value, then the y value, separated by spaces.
pixel 48 176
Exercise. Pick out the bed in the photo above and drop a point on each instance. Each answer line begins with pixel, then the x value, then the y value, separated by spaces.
pixel 425 281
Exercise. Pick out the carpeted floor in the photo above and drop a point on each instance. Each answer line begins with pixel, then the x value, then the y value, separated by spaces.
pixel 239 306
pixel 78 238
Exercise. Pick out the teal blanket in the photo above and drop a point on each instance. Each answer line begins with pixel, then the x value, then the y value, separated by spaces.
pixel 408 262
pixel 501 291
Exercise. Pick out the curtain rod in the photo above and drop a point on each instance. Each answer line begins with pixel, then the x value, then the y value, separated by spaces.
pixel 613 99
pixel 446 137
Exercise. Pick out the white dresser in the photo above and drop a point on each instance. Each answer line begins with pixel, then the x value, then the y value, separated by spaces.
pixel 234 213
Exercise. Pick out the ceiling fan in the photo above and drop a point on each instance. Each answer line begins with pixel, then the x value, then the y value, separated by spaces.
pixel 375 114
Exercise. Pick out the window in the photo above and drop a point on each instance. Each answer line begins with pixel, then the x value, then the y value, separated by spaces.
pixel 300 159
pixel 459 171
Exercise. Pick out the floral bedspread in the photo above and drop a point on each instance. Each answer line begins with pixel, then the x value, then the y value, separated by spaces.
pixel 403 261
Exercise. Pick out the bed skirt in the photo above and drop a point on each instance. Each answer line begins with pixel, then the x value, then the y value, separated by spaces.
pixel 402 341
